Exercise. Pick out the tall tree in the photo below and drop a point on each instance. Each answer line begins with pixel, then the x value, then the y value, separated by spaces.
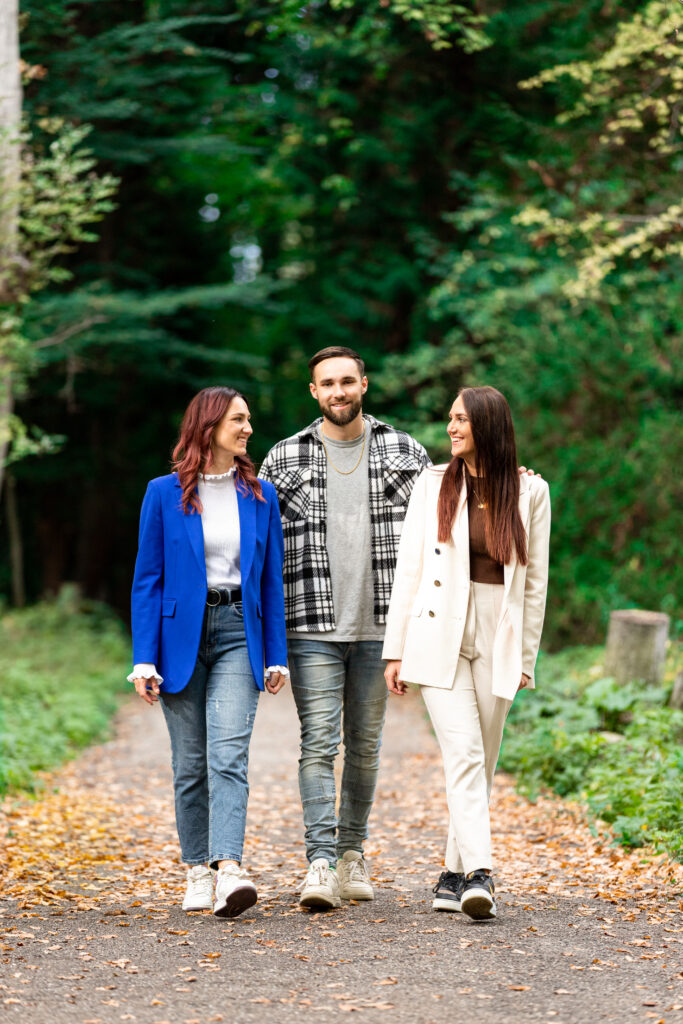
pixel 10 164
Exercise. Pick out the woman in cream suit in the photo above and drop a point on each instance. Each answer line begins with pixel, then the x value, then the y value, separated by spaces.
pixel 465 620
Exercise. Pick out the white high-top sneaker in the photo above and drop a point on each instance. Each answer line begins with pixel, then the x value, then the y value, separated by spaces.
pixel 354 880
pixel 199 890
pixel 235 891
pixel 321 888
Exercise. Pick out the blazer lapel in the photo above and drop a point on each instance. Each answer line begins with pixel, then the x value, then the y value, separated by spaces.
pixel 246 506
pixel 524 495
pixel 461 532
pixel 193 525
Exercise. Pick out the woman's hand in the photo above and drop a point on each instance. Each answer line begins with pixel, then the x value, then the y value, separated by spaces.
pixel 148 689
pixel 524 682
pixel 275 682
pixel 392 675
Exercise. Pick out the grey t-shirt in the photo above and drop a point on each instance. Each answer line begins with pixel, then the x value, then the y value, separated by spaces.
pixel 349 542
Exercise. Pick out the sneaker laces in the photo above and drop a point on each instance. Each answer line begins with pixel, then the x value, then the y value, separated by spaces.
pixel 198 871
pixel 230 871
pixel 451 880
pixel 199 879
pixel 317 874
pixel 358 872
pixel 480 877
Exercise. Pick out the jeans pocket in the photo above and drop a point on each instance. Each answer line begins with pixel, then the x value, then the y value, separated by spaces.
pixel 239 610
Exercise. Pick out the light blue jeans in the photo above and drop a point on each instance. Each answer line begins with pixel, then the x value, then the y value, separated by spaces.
pixel 329 678
pixel 210 724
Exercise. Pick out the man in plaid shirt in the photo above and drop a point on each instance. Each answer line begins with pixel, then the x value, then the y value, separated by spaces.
pixel 343 484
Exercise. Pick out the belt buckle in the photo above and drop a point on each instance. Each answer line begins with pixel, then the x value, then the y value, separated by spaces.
pixel 211 592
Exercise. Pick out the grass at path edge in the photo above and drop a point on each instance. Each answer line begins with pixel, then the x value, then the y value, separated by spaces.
pixel 63 665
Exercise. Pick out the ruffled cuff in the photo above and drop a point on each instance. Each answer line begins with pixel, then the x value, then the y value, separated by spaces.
pixel 282 669
pixel 144 672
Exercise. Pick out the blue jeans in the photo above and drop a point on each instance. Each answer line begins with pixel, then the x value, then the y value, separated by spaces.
pixel 210 724
pixel 328 678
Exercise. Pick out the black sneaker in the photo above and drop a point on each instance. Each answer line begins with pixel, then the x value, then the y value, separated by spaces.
pixel 448 891
pixel 477 896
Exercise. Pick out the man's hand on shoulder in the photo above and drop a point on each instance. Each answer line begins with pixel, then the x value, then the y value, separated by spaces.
pixel 529 472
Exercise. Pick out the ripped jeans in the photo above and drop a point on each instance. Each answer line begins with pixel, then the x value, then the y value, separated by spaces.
pixel 210 724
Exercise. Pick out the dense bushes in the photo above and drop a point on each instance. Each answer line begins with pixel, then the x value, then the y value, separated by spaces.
pixel 619 749
pixel 62 664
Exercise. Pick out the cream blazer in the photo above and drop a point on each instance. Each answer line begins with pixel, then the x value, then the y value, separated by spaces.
pixel 428 606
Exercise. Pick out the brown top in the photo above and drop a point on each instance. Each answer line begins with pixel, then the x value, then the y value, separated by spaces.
pixel 483 568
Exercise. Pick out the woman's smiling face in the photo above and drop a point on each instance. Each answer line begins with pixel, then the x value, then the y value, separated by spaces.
pixel 230 436
pixel 460 431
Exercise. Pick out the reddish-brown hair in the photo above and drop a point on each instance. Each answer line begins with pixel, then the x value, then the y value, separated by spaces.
pixel 192 453
pixel 497 476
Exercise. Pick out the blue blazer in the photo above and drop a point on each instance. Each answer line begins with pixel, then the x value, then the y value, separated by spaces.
pixel 169 587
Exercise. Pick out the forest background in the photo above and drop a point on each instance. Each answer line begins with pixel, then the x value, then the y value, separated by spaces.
pixel 465 193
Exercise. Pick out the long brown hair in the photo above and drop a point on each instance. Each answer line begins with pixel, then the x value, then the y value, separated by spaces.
pixel 192 453
pixel 497 476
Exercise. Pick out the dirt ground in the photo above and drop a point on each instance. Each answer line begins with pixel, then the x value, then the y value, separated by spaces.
pixel 92 931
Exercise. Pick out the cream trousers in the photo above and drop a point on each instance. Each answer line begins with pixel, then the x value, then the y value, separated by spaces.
pixel 468 721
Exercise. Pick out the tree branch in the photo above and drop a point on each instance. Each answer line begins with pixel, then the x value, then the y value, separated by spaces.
pixel 71 331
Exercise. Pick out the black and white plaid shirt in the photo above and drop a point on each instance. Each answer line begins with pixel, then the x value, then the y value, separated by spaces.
pixel 298 468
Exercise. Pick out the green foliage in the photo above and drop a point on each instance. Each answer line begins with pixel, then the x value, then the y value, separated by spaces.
pixel 62 666
pixel 59 195
pixel 632 93
pixel 593 377
pixel 615 748
pixel 26 441
pixel 397 194
pixel 370 27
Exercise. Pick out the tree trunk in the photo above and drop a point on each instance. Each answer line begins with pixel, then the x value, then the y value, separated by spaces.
pixel 10 170
pixel 16 549
pixel 636 646
pixel 10 153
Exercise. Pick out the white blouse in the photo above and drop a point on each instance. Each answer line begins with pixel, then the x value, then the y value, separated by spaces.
pixel 221 528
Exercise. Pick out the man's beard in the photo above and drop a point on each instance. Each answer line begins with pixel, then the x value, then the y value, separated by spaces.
pixel 340 419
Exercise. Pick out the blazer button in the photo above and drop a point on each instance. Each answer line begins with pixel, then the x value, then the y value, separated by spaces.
pixel 432 614
pixel 437 551
pixel 437 583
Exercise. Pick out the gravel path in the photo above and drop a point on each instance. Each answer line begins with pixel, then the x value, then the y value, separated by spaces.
pixel 92 931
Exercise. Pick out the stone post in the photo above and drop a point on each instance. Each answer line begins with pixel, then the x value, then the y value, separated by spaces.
pixel 677 692
pixel 636 646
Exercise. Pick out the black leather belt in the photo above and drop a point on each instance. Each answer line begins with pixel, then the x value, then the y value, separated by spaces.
pixel 216 596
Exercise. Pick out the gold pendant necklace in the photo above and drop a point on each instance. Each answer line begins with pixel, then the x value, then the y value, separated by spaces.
pixel 480 504
pixel 343 472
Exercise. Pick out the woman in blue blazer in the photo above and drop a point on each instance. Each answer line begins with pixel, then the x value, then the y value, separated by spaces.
pixel 207 617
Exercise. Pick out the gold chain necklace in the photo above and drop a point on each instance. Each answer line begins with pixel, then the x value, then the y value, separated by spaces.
pixel 343 472
pixel 480 503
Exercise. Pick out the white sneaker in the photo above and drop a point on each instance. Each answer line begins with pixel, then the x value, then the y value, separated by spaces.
pixel 199 891
pixel 321 888
pixel 354 881
pixel 235 891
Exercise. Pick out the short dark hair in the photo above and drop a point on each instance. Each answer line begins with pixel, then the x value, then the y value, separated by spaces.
pixel 333 352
